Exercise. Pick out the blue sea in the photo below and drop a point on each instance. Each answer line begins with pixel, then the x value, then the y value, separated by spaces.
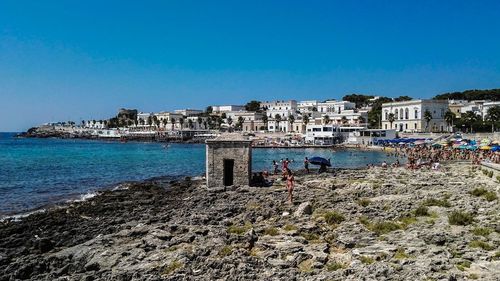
pixel 38 172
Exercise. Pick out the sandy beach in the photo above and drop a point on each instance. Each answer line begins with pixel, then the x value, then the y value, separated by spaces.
pixel 374 224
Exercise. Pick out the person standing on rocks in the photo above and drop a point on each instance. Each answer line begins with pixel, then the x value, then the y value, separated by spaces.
pixel 290 183
pixel 306 165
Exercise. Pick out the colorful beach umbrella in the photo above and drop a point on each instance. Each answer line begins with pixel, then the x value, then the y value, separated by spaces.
pixel 486 147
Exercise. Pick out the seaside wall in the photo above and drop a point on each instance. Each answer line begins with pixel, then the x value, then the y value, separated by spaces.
pixel 238 152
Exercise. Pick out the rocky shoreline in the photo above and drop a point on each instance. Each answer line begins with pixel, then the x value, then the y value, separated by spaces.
pixel 372 224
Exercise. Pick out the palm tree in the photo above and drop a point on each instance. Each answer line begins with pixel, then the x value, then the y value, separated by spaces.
pixel 164 121
pixel 493 116
pixel 265 119
pixel 155 120
pixel 427 118
pixel 361 120
pixel 343 120
pixel 305 119
pixel 181 121
pixel 150 121
pixel 205 124
pixel 277 117
pixel 468 119
pixel 449 117
pixel 83 123
pixel 172 120
pixel 190 123
pixel 291 119
pixel 239 124
pixel 391 118
pixel 199 120
pixel 326 119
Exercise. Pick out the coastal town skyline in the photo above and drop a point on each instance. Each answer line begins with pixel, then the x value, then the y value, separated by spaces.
pixel 168 55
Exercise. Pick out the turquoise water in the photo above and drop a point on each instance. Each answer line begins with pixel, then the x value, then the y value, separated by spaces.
pixel 37 172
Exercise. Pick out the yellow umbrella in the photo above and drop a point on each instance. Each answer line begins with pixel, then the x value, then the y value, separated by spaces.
pixel 486 147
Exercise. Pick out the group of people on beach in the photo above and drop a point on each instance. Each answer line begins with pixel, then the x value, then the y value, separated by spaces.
pixel 430 157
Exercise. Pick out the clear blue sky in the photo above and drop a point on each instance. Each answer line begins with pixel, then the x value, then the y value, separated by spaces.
pixel 73 60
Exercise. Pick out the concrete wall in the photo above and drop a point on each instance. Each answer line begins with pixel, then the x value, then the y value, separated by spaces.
pixel 239 151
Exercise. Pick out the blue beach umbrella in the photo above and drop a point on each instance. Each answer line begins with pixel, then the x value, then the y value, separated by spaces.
pixel 319 161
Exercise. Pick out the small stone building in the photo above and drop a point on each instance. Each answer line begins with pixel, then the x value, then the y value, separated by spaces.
pixel 229 161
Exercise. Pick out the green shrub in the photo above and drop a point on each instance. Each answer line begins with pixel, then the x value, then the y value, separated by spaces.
pixel 490 174
pixel 498 178
pixel 272 231
pixel 463 265
pixel 239 230
pixel 333 217
pixel 478 191
pixel 496 256
pixel 384 227
pixel 364 202
pixel 400 254
pixel 482 231
pixel 480 244
pixel 422 211
pixel 334 266
pixel 364 221
pixel 407 220
pixel 226 251
pixel 436 202
pixel 309 236
pixel 289 227
pixel 172 267
pixel 460 218
pixel 366 259
pixel 473 276
pixel 490 196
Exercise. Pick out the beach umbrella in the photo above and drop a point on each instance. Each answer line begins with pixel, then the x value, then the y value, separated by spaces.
pixel 486 147
pixel 419 142
pixel 319 161
pixel 495 148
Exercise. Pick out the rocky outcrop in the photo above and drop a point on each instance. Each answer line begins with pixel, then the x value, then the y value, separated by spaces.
pixel 352 225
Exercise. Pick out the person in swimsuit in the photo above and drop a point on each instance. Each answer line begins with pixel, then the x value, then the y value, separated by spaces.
pixel 306 165
pixel 290 182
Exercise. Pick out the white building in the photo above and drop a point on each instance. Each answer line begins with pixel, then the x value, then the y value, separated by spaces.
pixel 409 116
pixel 307 106
pixel 195 122
pixel 188 112
pixel 282 108
pixel 351 117
pixel 246 115
pixel 333 106
pixel 227 108
pixel 166 118
pixel 370 136
pixel 95 124
pixel 487 106
pixel 321 134
pixel 142 118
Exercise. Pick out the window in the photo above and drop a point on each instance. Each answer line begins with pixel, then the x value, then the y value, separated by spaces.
pixel 415 126
pixel 416 113
pixel 407 113
pixel 386 126
pixel 406 126
pixel 396 114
